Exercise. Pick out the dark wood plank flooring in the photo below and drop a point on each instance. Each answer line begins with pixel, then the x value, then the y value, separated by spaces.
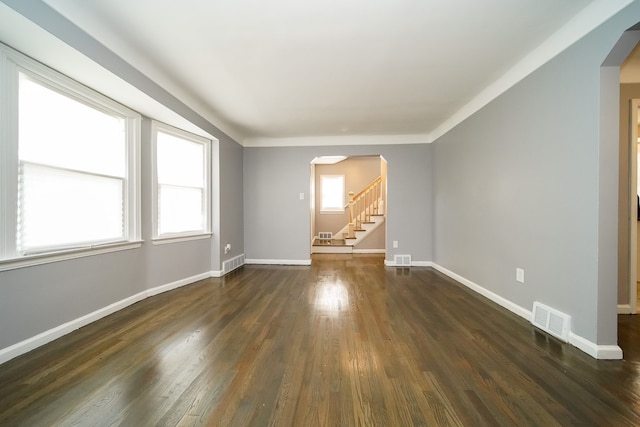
pixel 345 342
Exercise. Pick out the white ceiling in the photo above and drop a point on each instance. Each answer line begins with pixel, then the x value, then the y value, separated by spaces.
pixel 290 68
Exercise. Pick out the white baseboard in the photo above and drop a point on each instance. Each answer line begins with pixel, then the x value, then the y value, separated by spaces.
pixel 421 264
pixel 611 352
pixel 177 284
pixel 625 309
pixel 278 261
pixel 514 308
pixel 592 349
pixel 369 251
pixel 45 337
pixel 391 263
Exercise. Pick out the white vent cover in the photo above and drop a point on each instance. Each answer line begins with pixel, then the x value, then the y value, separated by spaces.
pixel 325 235
pixel 402 260
pixel 232 264
pixel 551 321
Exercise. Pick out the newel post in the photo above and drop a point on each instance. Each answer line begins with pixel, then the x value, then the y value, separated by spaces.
pixel 352 227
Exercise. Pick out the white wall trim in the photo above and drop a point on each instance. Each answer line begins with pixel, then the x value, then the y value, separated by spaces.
pixel 611 352
pixel 311 141
pixel 369 251
pixel 45 337
pixel 217 273
pixel 514 308
pixel 278 261
pixel 625 309
pixel 421 264
pixel 177 284
pixel 391 263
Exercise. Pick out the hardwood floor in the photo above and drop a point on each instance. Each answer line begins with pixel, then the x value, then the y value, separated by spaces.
pixel 345 342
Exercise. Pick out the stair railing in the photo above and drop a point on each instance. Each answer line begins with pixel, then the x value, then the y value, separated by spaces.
pixel 364 204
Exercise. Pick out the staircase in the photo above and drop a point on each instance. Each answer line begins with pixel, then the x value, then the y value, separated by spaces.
pixel 366 214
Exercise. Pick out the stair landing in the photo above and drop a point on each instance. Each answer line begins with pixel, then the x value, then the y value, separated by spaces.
pixel 332 246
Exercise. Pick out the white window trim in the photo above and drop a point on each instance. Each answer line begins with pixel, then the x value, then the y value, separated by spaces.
pixel 333 211
pixel 183 236
pixel 12 63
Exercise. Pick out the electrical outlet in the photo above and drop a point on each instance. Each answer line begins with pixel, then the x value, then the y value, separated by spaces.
pixel 395 244
pixel 301 196
pixel 520 275
pixel 227 248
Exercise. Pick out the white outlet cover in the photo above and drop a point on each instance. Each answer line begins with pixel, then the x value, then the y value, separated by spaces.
pixel 520 275
pixel 395 244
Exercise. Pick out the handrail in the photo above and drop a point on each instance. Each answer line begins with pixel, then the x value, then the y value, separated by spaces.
pixel 368 186
pixel 366 203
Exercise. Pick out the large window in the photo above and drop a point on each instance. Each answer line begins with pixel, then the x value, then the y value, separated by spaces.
pixel 181 183
pixel 332 194
pixel 68 162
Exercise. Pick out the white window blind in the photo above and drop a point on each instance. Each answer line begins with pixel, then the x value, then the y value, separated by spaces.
pixel 182 171
pixel 72 170
pixel 60 208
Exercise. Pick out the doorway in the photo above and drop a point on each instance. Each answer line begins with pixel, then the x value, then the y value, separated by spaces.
pixel 629 183
pixel 330 224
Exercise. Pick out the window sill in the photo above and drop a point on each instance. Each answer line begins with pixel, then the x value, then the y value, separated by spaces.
pixel 64 255
pixel 333 212
pixel 176 239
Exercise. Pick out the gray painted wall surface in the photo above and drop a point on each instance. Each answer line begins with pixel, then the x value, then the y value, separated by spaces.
pixel 231 227
pixel 277 223
pixel 520 184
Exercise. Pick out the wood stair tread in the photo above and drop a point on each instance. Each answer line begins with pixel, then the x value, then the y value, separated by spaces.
pixel 332 242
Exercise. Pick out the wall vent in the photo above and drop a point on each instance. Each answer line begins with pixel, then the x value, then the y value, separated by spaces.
pixel 402 260
pixel 551 321
pixel 325 235
pixel 233 263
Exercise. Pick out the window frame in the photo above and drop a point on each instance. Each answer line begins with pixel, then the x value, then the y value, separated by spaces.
pixel 12 64
pixel 206 143
pixel 332 210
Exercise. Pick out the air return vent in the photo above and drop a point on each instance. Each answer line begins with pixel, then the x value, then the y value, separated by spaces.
pixel 232 264
pixel 402 260
pixel 325 235
pixel 551 321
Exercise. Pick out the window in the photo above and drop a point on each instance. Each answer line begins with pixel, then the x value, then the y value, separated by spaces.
pixel 332 193
pixel 181 183
pixel 69 159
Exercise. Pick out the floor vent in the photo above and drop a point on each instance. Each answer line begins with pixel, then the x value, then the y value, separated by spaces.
pixel 402 260
pixel 233 263
pixel 551 321
pixel 325 235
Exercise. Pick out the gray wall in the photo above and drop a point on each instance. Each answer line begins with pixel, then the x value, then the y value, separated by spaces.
pixel 527 182
pixel 277 222
pixel 231 208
